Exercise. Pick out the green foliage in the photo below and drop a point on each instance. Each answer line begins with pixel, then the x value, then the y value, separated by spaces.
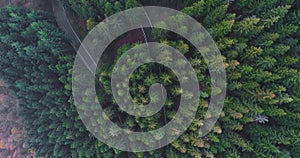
pixel 259 42
pixel 36 63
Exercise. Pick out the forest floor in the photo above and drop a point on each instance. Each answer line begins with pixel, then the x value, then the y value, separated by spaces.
pixel 34 4
pixel 12 132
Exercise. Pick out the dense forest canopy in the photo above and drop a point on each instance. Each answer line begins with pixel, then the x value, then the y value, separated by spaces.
pixel 259 42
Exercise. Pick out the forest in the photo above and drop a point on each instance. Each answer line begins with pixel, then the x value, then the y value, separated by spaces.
pixel 260 46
